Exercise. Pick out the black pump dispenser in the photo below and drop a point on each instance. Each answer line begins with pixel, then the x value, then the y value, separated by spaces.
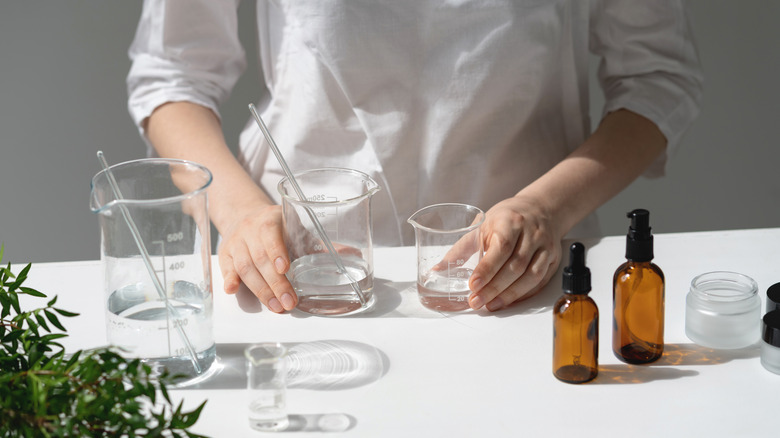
pixel 639 240
pixel 576 276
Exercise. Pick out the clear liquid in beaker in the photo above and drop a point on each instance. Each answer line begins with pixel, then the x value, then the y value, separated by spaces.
pixel 140 323
pixel 323 290
pixel 446 290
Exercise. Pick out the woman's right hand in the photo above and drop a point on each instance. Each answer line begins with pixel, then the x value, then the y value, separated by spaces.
pixel 253 252
pixel 252 249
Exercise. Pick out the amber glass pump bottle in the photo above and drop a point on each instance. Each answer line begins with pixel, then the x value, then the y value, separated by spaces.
pixel 638 297
pixel 575 323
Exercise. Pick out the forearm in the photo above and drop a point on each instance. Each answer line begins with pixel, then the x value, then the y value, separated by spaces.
pixel 189 131
pixel 620 150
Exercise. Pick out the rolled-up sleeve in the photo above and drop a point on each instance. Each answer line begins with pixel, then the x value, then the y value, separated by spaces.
pixel 649 64
pixel 184 50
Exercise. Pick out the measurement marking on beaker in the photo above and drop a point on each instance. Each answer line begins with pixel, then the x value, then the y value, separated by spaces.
pixel 175 237
pixel 333 233
pixel 455 280
pixel 165 282
pixel 322 214
pixel 331 227
pixel 162 257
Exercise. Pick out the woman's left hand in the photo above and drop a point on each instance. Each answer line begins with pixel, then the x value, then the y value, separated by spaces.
pixel 522 252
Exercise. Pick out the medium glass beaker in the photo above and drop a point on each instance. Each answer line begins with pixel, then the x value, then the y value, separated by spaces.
pixel 340 200
pixel 448 250
pixel 160 206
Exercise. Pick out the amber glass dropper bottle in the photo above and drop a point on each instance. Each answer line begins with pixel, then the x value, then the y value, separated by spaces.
pixel 575 323
pixel 638 297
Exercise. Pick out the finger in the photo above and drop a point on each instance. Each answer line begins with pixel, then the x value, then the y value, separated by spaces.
pixel 498 249
pixel 272 237
pixel 247 270
pixel 463 249
pixel 281 293
pixel 230 278
pixel 536 277
pixel 525 254
pixel 507 264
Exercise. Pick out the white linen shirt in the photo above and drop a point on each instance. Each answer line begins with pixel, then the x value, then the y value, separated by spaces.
pixel 438 100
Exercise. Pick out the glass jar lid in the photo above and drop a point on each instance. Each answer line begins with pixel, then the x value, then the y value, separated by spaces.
pixel 773 297
pixel 770 332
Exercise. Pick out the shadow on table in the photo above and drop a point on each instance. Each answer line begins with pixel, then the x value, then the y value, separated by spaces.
pixel 693 354
pixel 674 355
pixel 318 365
pixel 320 423
pixel 541 302
pixel 247 301
pixel 625 374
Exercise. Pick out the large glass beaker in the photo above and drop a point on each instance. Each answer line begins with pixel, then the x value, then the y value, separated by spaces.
pixel 340 200
pixel 156 255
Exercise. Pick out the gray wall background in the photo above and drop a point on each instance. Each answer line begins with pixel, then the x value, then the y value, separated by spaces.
pixel 62 98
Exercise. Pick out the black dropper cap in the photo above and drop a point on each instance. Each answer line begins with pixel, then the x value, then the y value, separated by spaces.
pixel 639 240
pixel 576 276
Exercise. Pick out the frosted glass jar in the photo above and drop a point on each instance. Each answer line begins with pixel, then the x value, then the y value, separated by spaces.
pixel 770 347
pixel 723 310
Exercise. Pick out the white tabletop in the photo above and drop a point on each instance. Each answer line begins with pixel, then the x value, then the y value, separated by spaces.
pixel 418 372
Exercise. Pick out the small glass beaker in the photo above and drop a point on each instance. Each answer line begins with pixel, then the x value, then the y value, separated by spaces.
pixel 266 371
pixel 165 201
pixel 448 249
pixel 723 310
pixel 340 200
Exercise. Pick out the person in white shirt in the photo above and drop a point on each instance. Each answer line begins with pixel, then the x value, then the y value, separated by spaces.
pixel 483 102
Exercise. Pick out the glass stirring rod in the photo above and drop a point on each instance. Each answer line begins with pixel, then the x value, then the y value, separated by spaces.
pixel 317 225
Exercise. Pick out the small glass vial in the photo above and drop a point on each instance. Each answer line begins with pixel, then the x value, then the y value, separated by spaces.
pixel 770 348
pixel 723 310
pixel 773 298
pixel 575 324
pixel 266 370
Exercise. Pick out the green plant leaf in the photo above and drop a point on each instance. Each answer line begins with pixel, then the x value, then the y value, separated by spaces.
pixel 5 302
pixel 46 392
pixel 191 417
pixel 164 392
pixel 8 270
pixel 33 292
pixel 13 335
pixel 42 322
pixel 15 302
pixel 65 313
pixel 52 337
pixel 53 319
pixel 20 278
